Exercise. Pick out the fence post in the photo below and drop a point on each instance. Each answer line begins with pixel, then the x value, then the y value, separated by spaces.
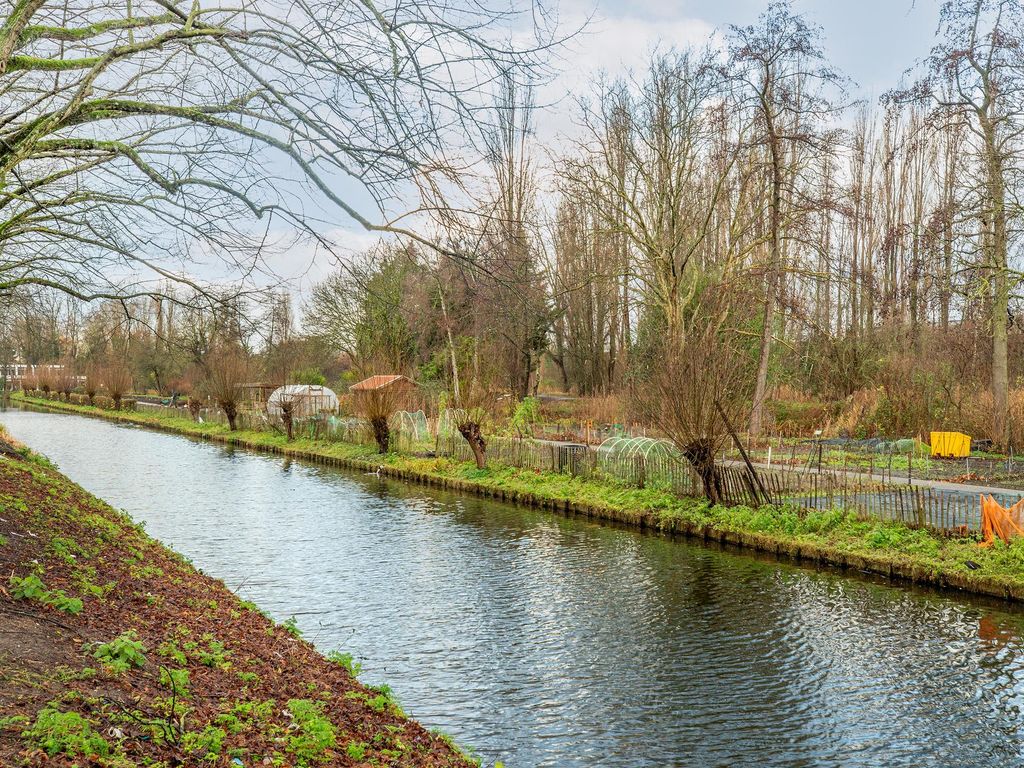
pixel 910 468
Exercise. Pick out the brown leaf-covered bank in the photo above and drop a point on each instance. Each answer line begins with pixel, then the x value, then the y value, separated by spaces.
pixel 114 651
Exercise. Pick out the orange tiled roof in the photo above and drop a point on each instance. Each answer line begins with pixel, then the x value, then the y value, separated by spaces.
pixel 378 382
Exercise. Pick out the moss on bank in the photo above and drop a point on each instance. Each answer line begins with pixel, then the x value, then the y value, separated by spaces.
pixel 116 652
pixel 831 537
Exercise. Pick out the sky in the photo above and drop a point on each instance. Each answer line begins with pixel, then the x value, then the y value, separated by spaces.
pixel 873 42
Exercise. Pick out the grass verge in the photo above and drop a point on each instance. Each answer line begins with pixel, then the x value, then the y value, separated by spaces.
pixel 831 537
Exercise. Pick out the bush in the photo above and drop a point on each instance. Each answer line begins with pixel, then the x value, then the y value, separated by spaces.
pixel 312 376
pixel 526 416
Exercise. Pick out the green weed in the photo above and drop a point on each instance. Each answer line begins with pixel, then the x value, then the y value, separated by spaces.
pixel 356 750
pixel 315 734
pixel 177 680
pixel 347 661
pixel 207 743
pixel 170 650
pixel 31 587
pixel 290 625
pixel 65 733
pixel 122 653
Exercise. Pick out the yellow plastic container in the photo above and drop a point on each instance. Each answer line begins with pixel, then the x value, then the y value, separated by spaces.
pixel 950 445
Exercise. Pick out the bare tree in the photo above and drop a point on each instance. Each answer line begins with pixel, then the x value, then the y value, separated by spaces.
pixel 377 406
pixel 700 372
pixel 511 289
pixel 117 382
pixel 779 64
pixel 976 75
pixel 471 376
pixel 586 283
pixel 653 167
pixel 93 381
pixel 65 381
pixel 227 372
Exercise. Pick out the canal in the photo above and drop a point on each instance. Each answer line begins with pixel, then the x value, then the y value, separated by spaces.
pixel 543 641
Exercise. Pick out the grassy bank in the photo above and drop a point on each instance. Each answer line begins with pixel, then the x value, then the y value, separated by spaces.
pixel 116 652
pixel 831 537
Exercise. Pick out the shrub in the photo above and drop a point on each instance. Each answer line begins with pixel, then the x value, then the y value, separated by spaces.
pixel 228 371
pixel 526 416
pixel 309 376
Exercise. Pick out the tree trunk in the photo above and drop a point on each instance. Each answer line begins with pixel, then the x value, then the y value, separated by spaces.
pixel 771 279
pixel 761 383
pixel 701 455
pixel 231 413
pixel 381 433
pixel 471 431
pixel 1000 289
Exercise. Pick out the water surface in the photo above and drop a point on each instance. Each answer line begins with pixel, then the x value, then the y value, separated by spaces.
pixel 542 641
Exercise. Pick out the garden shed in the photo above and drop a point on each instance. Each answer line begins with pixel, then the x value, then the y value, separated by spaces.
pixel 400 390
pixel 307 400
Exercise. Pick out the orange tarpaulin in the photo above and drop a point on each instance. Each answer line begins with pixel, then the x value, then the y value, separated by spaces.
pixel 997 521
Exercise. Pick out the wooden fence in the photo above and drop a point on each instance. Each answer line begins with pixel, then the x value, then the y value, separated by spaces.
pixel 942 511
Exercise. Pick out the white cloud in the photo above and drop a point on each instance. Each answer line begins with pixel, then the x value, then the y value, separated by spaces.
pixel 613 42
